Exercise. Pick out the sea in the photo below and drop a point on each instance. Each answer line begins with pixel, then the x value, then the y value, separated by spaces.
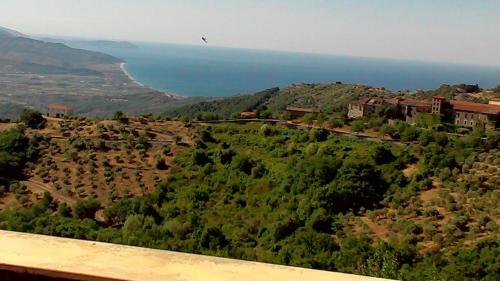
pixel 204 70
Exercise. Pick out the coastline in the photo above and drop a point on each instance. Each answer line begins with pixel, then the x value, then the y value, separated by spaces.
pixel 125 71
pixel 129 76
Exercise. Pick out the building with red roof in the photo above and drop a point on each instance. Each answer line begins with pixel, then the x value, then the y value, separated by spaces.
pixel 460 113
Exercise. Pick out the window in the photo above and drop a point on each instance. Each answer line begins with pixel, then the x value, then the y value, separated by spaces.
pixel 465 122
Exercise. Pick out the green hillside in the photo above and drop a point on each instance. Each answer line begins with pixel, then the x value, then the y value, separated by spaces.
pixel 423 211
pixel 224 108
pixel 329 97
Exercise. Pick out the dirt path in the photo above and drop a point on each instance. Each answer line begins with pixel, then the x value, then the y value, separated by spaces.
pixel 35 185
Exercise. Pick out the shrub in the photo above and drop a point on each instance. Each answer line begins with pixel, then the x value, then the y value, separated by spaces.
pixel 243 163
pixel 357 126
pixel 311 149
pixel 212 238
pixel 258 171
pixel 32 119
pixel 265 130
pixel 318 134
pixel 86 209
pixel 120 116
pixel 200 157
pixel 160 163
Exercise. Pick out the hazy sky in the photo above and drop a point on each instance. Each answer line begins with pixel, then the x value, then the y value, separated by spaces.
pixel 465 31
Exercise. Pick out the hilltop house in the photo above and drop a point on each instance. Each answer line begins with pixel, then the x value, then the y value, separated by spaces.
pixel 59 110
pixel 467 114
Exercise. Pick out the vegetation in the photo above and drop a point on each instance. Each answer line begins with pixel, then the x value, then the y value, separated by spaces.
pixel 32 119
pixel 424 211
pixel 225 108
pixel 15 150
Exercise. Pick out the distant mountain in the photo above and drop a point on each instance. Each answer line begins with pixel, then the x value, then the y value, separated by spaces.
pixel 35 56
pixel 10 32
pixel 92 44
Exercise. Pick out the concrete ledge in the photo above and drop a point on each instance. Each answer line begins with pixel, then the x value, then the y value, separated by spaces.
pixel 86 260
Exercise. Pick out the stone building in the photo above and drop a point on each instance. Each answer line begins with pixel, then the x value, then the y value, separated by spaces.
pixel 411 108
pixel 460 113
pixel 366 106
pixel 470 114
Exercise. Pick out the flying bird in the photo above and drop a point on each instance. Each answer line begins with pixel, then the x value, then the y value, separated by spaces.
pixel 204 40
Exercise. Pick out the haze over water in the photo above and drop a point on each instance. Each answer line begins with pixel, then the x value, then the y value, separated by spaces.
pixel 210 71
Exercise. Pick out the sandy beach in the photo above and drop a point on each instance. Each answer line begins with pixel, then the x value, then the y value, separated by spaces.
pixel 125 71
pixel 122 67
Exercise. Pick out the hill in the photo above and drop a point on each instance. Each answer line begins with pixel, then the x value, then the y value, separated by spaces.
pixel 10 32
pixel 332 99
pixel 328 97
pixel 35 74
pixel 225 108
pixel 29 55
pixel 104 160
pixel 91 44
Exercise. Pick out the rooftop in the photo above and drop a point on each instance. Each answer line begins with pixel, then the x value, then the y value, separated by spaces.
pixel 84 260
pixel 416 103
pixel 439 97
pixel 475 107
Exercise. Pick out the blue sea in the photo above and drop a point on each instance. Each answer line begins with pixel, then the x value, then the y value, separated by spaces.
pixel 210 71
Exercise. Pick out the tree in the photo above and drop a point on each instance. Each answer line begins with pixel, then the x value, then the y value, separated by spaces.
pixel 382 155
pixel 358 184
pixel 212 238
pixel 243 163
pixel 32 119
pixel 357 126
pixel 387 129
pixel 318 135
pixel 15 151
pixel 86 209
pixel 410 133
pixel 120 116
pixel 63 210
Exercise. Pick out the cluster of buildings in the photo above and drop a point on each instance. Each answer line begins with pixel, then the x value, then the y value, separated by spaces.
pixel 460 113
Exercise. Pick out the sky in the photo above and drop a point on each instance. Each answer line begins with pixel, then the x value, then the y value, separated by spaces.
pixel 457 31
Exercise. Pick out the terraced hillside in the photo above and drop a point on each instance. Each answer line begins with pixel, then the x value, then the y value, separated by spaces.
pixel 104 160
